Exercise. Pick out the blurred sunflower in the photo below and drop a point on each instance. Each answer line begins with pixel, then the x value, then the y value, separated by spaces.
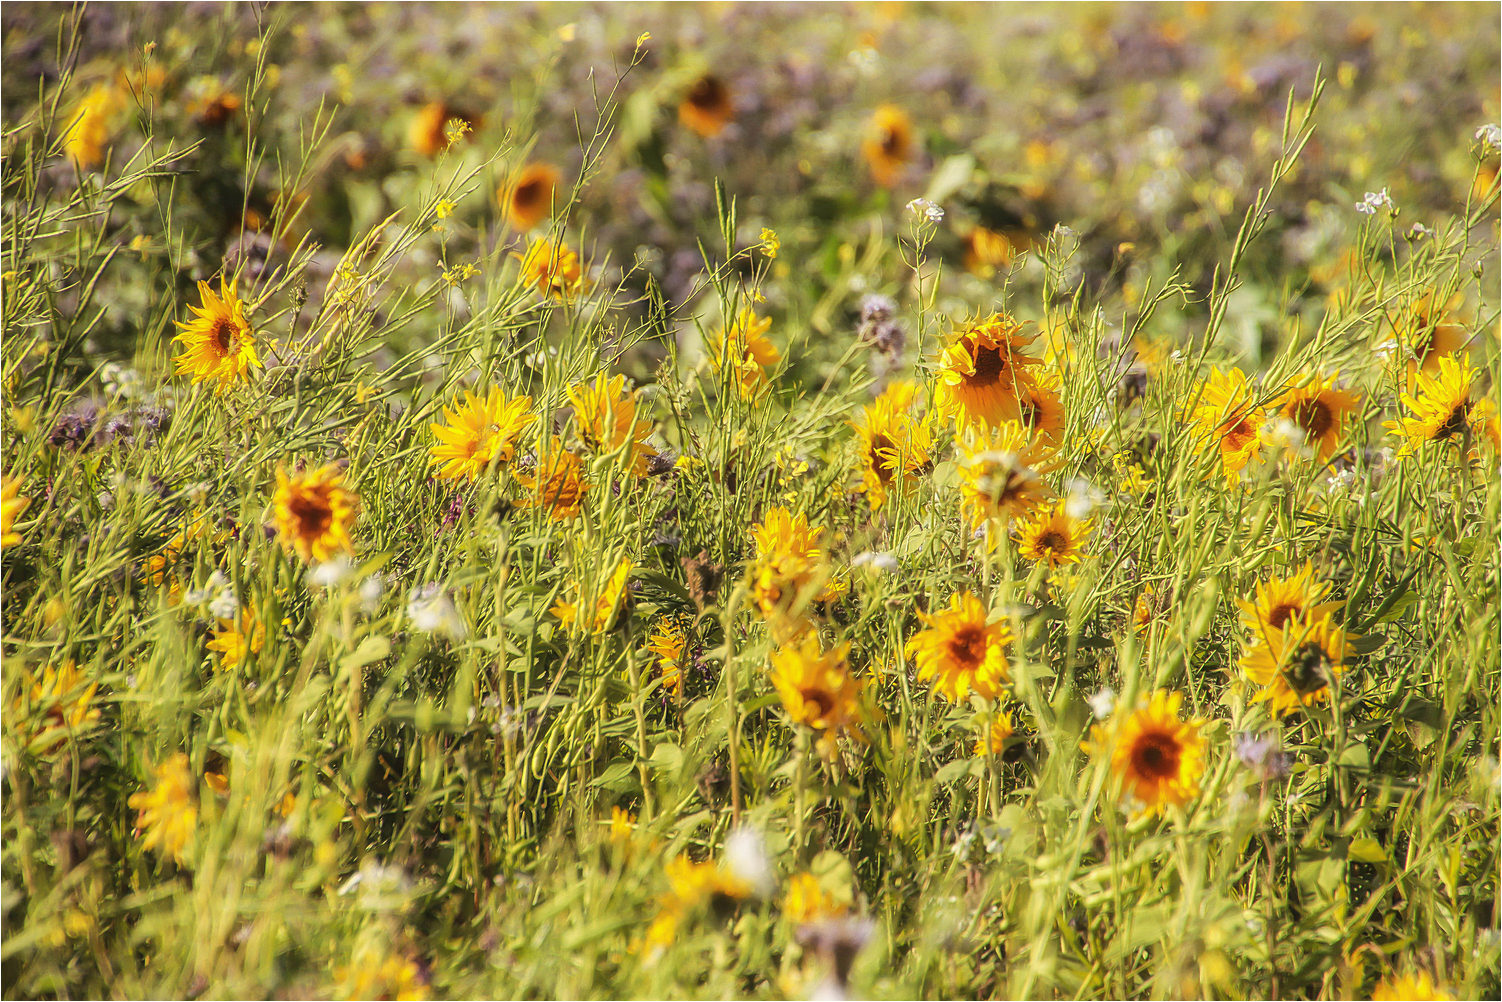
pixel 211 104
pixel 1039 405
pixel 314 512
pixel 605 416
pixel 981 367
pixel 233 640
pixel 790 569
pixel 12 506
pixel 806 901
pixel 744 349
pixel 90 129
pixel 960 651
pixel 557 483
pixel 218 342
pixel 888 145
pixel 1440 407
pixel 429 133
pixel 375 974
pixel 1296 667
pixel 168 812
pixel 1279 601
pixel 598 616
pixel 479 432
pixel 551 268
pixel 986 250
pixel 1157 757
pixel 1053 536
pixel 1149 608
pixel 1425 329
pixel 994 738
pixel 707 107
pixel 1319 409
pixel 816 687
pixel 893 444
pixel 693 884
pixel 666 644
pixel 52 707
pixel 1229 418
pixel 1001 473
pixel 1417 986
pixel 527 197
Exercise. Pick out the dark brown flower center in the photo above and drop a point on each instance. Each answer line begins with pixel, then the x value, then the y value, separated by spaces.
pixel 528 194
pixel 1238 432
pixel 892 142
pixel 1314 417
pixel 968 647
pixel 820 700
pixel 708 94
pixel 1456 422
pixel 1281 613
pixel 990 363
pixel 1155 756
pixel 1053 541
pixel 883 458
pixel 224 335
pixel 1306 669
pixel 311 512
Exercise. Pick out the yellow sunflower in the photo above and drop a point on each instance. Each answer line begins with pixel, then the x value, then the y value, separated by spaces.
pixel 605 416
pixel 888 145
pixel 49 709
pixel 596 616
pixel 1001 473
pixel 1229 419
pixel 1039 405
pixel 986 250
pixel 429 132
pixel 479 432
pixel 994 738
pixel 375 974
pixel 1157 757
pixel 12 505
pixel 551 268
pixel 314 512
pixel 666 644
pixel 707 107
pixel 1278 601
pixel 806 901
pixel 90 129
pixel 981 367
pixel 745 350
pixel 960 651
pixel 1439 409
pixel 1410 986
pixel 789 571
pixel 527 197
pixel 233 640
pixel 168 812
pixel 1053 536
pixel 557 483
pixel 1426 331
pixel 1296 666
pixel 816 687
pixel 1320 410
pixel 218 343
pixel 893 444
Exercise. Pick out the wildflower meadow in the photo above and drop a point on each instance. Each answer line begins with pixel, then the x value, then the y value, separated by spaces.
pixel 750 501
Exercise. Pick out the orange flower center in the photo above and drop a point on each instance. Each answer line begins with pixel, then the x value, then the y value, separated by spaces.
pixel 968 647
pixel 312 513
pixel 1155 756
pixel 1053 541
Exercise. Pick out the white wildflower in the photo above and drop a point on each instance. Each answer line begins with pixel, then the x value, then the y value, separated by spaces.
pixel 1103 702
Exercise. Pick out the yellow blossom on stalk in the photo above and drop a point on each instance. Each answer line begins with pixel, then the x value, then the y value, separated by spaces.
pixel 888 145
pixel 314 512
pixel 789 571
pixel 478 432
pixel 622 825
pixel 1133 480
pixel 982 367
pixel 557 483
pixel 805 901
pixel 605 416
pixel 745 351
pixel 1001 473
pixel 769 244
pixel 1149 608
pixel 169 810
pixel 817 689
pixel 89 131
pixel 1229 419
pixel 233 640
pixel 52 707
pixel 598 616
pixel 666 644
pixel 894 444
pixel 1053 536
pixel 1156 757
pixel 1296 666
pixel 1440 407
pixel 993 740
pixel 12 505
pixel 551 268
pixel 707 107
pixel 219 345
pixel 1426 332
pixel 430 132
pixel 527 197
pixel 373 974
pixel 1319 409
pixel 1417 986
pixel 960 651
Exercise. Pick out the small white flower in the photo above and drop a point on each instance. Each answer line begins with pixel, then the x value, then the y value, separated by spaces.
pixel 878 560
pixel 1490 136
pixel 224 605
pixel 1083 499
pixel 371 592
pixel 432 611
pixel 746 859
pixel 1103 702
pixel 331 572
pixel 1375 200
pixel 929 210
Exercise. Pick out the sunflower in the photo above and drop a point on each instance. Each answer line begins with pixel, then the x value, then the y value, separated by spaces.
pixel 557 484
pixel 790 569
pixel 479 432
pixel 1229 419
pixel 375 974
pixel 527 197
pixel 1157 757
pixel 1001 473
pixel 1417 986
pixel 233 640
pixel 90 129
pixel 960 651
pixel 314 511
pixel 981 367
pixel 744 349
pixel 168 812
pixel 596 617
pixel 666 644
pixel 1319 409
pixel 1439 408
pixel 218 343
pixel 551 268
pixel 707 108
pixel 888 145
pixel 429 132
pixel 1296 666
pixel 893 444
pixel 1039 405
pixel 806 901
pixel 1149 608
pixel 998 731
pixel 12 506
pixel 692 884
pixel 50 708
pixel 817 689
pixel 986 250
pixel 605 416
pixel 1425 329
pixel 1053 536
pixel 1277 602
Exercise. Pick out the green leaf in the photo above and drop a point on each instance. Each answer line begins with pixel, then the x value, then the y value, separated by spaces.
pixel 950 177
pixel 370 649
pixel 1367 850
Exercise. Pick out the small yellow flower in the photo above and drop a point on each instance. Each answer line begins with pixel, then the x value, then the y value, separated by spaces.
pixel 770 245
pixel 993 740
pixel 12 505
pixel 90 129
pixel 233 640
pixel 596 616
pixel 816 687
pixel 806 901
pixel 790 570
pixel 1053 536
pixel 982 370
pixel 219 344
pixel 894 445
pixel 314 511
pixel 667 644
pixel 1229 419
pixel 373 974
pixel 1001 473
pixel 1417 986
pixel 1296 666
pixel 527 197
pixel 53 707
pixel 551 268
pixel 557 483
pixel 605 415
pixel 888 145
pixel 1440 408
pixel 744 350
pixel 168 814
pixel 707 107
pixel 431 133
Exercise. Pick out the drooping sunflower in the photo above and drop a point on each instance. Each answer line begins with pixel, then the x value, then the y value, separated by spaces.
pixel 790 570
pixel 960 651
pixel 1439 409
pixel 981 367
pixel 429 131
pixel 314 512
pixel 1039 405
pixel 707 107
pixel 1279 601
pixel 1295 667
pixel 168 811
pixel 1053 536
pixel 1157 757
pixel 233 640
pixel 1410 986
pixel 605 416
pixel 12 506
pixel 1001 473
pixel 596 616
pixel 816 687
pixel 557 482
pixel 1229 419
pixel 994 737
pixel 888 145
pixel 1319 409
pixel 527 197
pixel 52 707
pixel 666 644
pixel 479 432
pixel 218 343
pixel 1427 332
pixel 551 268
pixel 744 349
pixel 893 443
